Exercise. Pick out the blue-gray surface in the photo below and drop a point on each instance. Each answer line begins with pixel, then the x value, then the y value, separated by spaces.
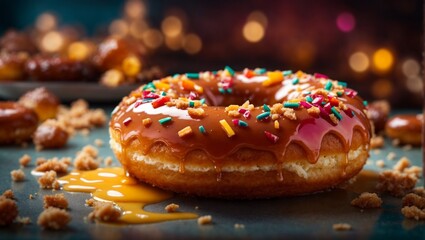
pixel 307 216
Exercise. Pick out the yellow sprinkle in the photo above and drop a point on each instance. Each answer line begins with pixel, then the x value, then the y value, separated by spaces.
pixel 273 78
pixel 161 85
pixel 299 73
pixel 226 127
pixel 276 124
pixel 147 122
pixel 185 131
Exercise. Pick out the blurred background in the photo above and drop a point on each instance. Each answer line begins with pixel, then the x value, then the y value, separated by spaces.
pixel 375 46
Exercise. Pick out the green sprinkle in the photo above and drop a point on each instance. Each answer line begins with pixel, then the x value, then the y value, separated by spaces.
pixel 309 99
pixel 192 75
pixel 259 71
pixel 163 93
pixel 242 123
pixel 230 70
pixel 149 85
pixel 365 103
pixel 266 108
pixel 176 75
pixel 339 94
pixel 191 104
pixel 202 129
pixel 214 72
pixel 328 86
pixel 202 101
pixel 263 115
pixel 287 72
pixel 336 113
pixel 295 81
pixel 221 90
pixel 343 84
pixel 165 120
pixel 229 90
pixel 323 102
pixel 291 104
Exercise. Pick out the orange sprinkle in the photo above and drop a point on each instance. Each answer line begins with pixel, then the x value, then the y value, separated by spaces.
pixel 299 73
pixel 274 78
pixel 161 85
pixel 276 124
pixel 185 131
pixel 226 127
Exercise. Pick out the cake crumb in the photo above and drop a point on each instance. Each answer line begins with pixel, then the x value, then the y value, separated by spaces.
pixel 395 142
pixel 239 226
pixel 8 194
pixel 419 191
pixel 204 220
pixel 367 200
pixel 413 212
pixel 40 160
pixel 341 226
pixel 17 175
pixel 407 147
pixel 48 180
pixel 53 164
pixel 23 220
pixel 376 142
pixel 57 201
pixel 105 212
pixel 415 170
pixel 413 199
pixel 402 164
pixel 54 218
pixel 98 142
pixel 172 207
pixel 25 160
pixel 380 163
pixel 90 202
pixel 376 151
pixel 8 211
pixel 395 182
pixel 391 156
pixel 86 159
pixel 31 197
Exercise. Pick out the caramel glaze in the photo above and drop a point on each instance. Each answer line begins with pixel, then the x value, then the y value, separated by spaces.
pixel 405 127
pixel 307 130
pixel 14 116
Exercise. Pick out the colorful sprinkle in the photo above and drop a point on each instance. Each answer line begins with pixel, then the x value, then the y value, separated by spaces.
pixel 239 123
pixel 176 75
pixel 263 115
pixel 339 93
pixel 229 70
pixel 147 122
pixel 185 132
pixel 291 104
pixel 295 81
pixel 226 127
pixel 202 129
pixel 319 75
pixel 328 85
pixel 287 72
pixel 149 85
pixel 309 99
pixel 165 120
pixel 160 102
pixel 191 104
pixel 305 104
pixel 248 73
pixel 342 84
pixel 192 75
pixel 336 113
pixel 365 103
pixel 275 77
pixel 276 124
pixel 266 108
pixel 247 114
pixel 127 121
pixel 271 137
pixel 260 71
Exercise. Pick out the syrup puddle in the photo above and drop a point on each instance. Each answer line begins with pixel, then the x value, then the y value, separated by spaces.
pixel 131 196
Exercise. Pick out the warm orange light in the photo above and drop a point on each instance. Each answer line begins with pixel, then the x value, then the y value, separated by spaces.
pixel 137 28
pixel 172 26
pixel 79 51
pixel 135 9
pixel 253 31
pixel 411 68
pixel 382 88
pixel 52 42
pixel 259 17
pixel 118 28
pixel 414 84
pixel 152 38
pixel 359 62
pixel 46 22
pixel 383 59
pixel 192 43
pixel 174 43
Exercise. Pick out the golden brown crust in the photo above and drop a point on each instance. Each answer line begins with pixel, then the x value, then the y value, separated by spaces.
pixel 406 128
pixel 42 101
pixel 17 123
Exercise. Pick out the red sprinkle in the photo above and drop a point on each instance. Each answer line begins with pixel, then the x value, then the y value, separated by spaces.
pixel 235 122
pixel 247 114
pixel 193 96
pixel 248 73
pixel 350 92
pixel 127 121
pixel 160 101
pixel 319 75
pixel 271 137
pixel 137 103
pixel 305 104
pixel 318 100
pixel 149 94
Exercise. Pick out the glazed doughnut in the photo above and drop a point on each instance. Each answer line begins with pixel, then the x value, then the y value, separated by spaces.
pixel 12 66
pixel 42 101
pixel 407 128
pixel 378 112
pixel 255 134
pixel 50 134
pixel 17 123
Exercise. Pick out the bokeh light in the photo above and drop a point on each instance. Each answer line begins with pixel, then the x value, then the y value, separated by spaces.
pixel 345 22
pixel 411 68
pixel 152 38
pixel 46 22
pixel 135 9
pixel 52 42
pixel 383 59
pixel 414 84
pixel 382 88
pixel 359 62
pixel 118 28
pixel 259 17
pixel 253 31
pixel 172 26
pixel 192 43
pixel 174 43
